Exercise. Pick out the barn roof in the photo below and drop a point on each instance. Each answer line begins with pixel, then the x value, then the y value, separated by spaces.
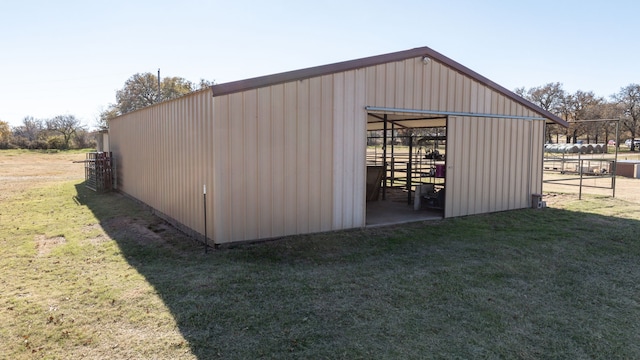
pixel 268 80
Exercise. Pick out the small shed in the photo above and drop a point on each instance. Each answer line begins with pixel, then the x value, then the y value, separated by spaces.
pixel 286 154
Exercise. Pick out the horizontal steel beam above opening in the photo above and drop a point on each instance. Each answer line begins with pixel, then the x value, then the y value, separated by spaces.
pixel 450 113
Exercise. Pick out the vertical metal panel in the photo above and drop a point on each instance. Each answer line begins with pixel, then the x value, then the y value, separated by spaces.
pixel 443 89
pixel 420 89
pixel 221 196
pixel 290 172
pixel 483 164
pixel 349 143
pixel 277 160
pixel 380 88
pixel 250 160
pixel 408 79
pixel 434 88
pixel 314 190
pixel 236 177
pixel 265 186
pixel 494 172
pixel 339 151
pixel 390 89
pixel 398 84
pixel 495 166
pixel 327 154
pixel 360 150
pixel 302 159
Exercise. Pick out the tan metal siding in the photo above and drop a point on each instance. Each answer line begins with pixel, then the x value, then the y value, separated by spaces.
pixel 492 164
pixel 263 155
pixel 290 158
pixel 159 156
pixel 349 150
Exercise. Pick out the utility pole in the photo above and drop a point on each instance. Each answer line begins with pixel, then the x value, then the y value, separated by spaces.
pixel 159 92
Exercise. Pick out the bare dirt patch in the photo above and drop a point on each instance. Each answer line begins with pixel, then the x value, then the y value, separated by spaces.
pixel 44 244
pixel 137 230
pixel 627 189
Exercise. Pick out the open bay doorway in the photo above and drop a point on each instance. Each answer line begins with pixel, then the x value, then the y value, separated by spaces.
pixel 406 162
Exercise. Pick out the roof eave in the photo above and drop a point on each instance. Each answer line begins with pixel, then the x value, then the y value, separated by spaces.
pixel 280 78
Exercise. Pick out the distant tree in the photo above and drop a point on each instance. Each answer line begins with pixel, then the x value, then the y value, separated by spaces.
pixel 66 126
pixel 141 90
pixel 106 115
pixel 549 97
pixel 606 111
pixel 5 134
pixel 84 139
pixel 205 84
pixel 628 101
pixel 576 107
pixel 32 129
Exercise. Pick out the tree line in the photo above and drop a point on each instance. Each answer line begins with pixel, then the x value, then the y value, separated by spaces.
pixel 60 132
pixel 67 132
pixel 579 107
pixel 143 89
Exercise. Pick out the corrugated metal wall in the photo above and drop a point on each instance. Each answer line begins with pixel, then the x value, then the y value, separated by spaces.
pixel 493 164
pixel 290 158
pixel 163 155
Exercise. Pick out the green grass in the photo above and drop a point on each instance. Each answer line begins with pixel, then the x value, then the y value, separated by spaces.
pixel 528 284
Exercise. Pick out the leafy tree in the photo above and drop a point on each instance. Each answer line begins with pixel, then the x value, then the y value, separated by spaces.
pixel 5 133
pixel 174 87
pixel 106 116
pixel 628 101
pixel 141 90
pixel 66 126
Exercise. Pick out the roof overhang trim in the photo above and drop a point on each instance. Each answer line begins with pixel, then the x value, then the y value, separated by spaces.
pixel 259 82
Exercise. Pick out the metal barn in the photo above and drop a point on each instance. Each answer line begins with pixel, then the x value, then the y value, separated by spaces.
pixel 287 153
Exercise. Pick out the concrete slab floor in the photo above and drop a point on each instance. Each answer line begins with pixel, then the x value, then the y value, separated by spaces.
pixel 389 212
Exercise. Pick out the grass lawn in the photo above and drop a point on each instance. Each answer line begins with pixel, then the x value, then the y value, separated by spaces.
pixel 88 275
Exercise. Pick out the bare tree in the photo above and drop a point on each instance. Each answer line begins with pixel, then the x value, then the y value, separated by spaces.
pixel 65 125
pixel 32 129
pixel 576 107
pixel 549 97
pixel 628 100
pixel 204 83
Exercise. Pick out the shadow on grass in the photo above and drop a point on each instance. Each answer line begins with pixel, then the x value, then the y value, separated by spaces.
pixel 523 284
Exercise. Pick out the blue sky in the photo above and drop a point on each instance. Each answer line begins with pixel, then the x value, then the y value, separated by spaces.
pixel 70 57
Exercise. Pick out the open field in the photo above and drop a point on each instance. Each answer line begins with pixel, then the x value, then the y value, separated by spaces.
pixel 88 275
